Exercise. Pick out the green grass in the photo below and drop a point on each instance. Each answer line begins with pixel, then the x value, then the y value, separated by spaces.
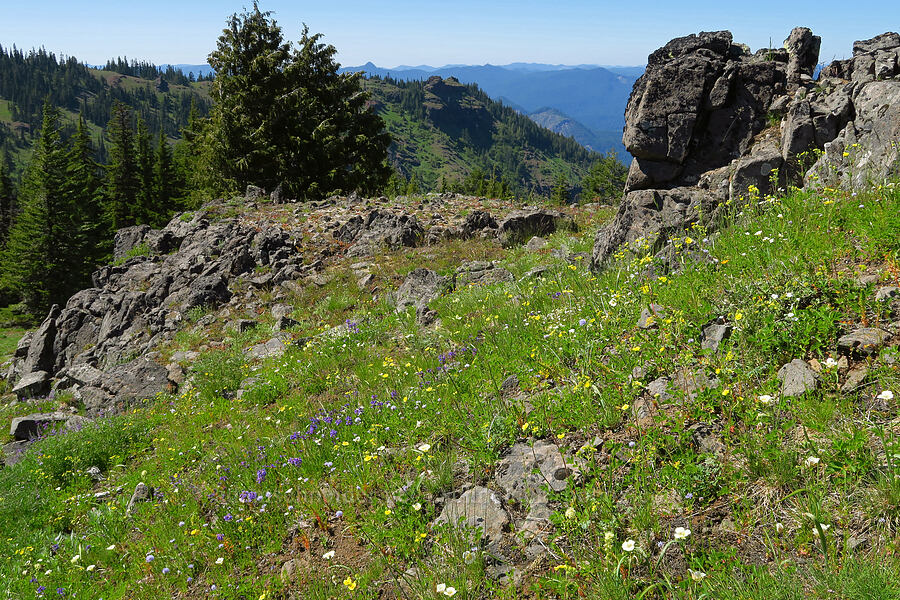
pixel 338 423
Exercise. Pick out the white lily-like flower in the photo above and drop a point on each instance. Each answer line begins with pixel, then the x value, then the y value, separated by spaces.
pixel 628 545
pixel 682 533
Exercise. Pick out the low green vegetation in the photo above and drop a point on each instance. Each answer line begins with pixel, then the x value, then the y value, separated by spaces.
pixel 334 454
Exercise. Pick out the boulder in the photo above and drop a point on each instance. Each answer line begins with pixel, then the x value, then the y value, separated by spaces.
pixel 481 273
pixel 865 341
pixel 478 509
pixel 521 225
pixel 477 221
pixel 40 355
pixel 525 473
pixel 32 385
pixel 377 230
pixel 420 287
pixel 797 378
pixel 127 239
pixel 646 219
pixel 34 425
pixel 865 152
pixel 714 333
pixel 803 53
pixel 650 316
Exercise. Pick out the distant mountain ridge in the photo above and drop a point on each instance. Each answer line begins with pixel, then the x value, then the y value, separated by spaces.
pixel 592 96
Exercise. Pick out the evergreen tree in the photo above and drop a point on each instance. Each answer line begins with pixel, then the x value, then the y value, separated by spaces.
pixel 284 115
pixel 84 188
pixel 165 178
pixel 7 201
pixel 122 172
pixel 39 255
pixel 147 209
pixel 560 193
pixel 605 180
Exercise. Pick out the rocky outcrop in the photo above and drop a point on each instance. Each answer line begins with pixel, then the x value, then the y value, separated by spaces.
pixel 379 229
pixel 710 122
pixel 99 346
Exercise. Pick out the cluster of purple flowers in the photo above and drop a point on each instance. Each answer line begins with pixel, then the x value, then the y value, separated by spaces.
pixel 247 496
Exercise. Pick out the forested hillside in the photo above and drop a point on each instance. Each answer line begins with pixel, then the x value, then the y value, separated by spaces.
pixel 162 99
pixel 448 135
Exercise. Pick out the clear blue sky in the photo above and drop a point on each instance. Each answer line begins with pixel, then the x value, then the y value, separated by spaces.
pixel 392 32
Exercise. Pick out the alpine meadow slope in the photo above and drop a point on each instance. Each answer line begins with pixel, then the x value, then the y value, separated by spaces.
pixel 691 395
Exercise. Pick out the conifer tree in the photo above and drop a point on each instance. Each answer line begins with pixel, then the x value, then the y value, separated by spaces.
pixel 39 256
pixel 122 171
pixel 284 115
pixel 147 208
pixel 84 188
pixel 165 177
pixel 7 201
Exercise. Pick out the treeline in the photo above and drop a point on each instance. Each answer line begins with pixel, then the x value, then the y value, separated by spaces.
pixel 28 79
pixel 57 227
pixel 148 70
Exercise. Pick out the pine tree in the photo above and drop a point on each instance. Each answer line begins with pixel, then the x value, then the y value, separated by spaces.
pixel 122 172
pixel 284 115
pixel 37 263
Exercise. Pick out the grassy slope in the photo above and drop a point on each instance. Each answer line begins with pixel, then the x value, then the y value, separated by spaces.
pixel 355 405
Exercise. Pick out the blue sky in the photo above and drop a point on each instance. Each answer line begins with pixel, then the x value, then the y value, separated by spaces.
pixel 409 32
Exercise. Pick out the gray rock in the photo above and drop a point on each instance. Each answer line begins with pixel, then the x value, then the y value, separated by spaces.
pixel 40 355
pixel 31 426
pixel 526 474
pixel 659 388
pixel 650 316
pixel 285 323
pixel 536 243
pixel 244 325
pixel 421 287
pixel 706 439
pixel 865 341
pixel 803 52
pixel 13 452
pixel 32 385
pixel 271 347
pixel 477 221
pixel 536 272
pixel 481 273
pixel 868 141
pixel 127 239
pixel 797 378
pixel 521 225
pixel 713 334
pixel 887 293
pixel 478 508
pixel 281 310
pixel 799 133
pixel 379 229
pixel 142 493
pixel 509 387
pixel 855 379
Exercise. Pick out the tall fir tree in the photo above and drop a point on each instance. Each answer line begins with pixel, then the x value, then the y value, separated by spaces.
pixel 7 201
pixel 84 186
pixel 39 257
pixel 165 177
pixel 122 180
pixel 147 209
pixel 284 115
